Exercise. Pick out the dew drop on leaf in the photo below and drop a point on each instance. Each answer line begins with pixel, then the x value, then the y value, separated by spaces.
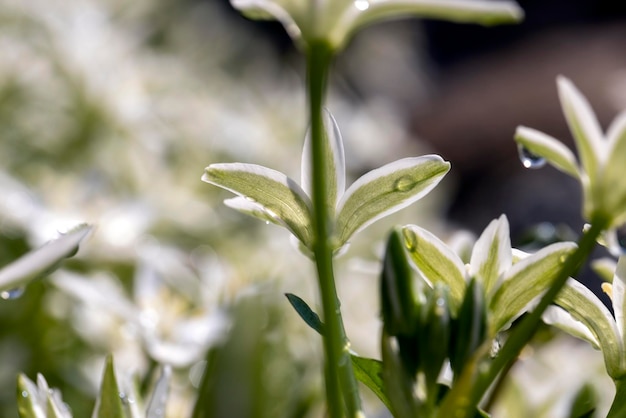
pixel 529 159
pixel 12 293
pixel 404 184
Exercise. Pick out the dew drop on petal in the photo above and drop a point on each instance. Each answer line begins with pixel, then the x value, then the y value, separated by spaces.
pixel 404 184
pixel 410 239
pixel 362 4
pixel 24 394
pixel 529 159
pixel 12 293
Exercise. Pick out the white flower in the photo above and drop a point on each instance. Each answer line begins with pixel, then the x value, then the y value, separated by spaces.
pixel 602 156
pixel 335 21
pixel 273 197
pixel 511 279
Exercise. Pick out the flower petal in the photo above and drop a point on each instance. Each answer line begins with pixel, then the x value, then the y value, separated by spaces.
pixel 612 190
pixel 526 280
pixel 585 307
pixel 584 127
pixel 42 260
pixel 268 10
pixel 549 148
pixel 561 319
pixel 492 254
pixel 335 162
pixel 366 12
pixel 618 296
pixel 386 190
pixel 275 192
pixel 436 261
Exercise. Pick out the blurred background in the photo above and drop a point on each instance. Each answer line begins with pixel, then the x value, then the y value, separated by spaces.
pixel 110 110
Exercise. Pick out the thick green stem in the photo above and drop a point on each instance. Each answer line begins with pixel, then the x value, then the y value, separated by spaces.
pixel 526 329
pixel 339 375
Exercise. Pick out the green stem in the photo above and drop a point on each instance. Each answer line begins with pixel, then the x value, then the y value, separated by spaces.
pixel 527 327
pixel 338 367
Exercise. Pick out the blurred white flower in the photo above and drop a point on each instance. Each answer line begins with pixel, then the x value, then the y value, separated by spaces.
pixel 174 310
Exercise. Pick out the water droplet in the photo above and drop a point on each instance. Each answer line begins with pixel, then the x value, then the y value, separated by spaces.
pixel 362 4
pixel 267 222
pixel 12 293
pixel 24 394
pixel 404 184
pixel 529 159
pixel 410 239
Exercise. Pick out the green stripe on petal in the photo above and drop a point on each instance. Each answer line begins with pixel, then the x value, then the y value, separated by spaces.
pixel 526 280
pixel 492 255
pixel 561 319
pixel 436 261
pixel 585 307
pixel 549 148
pixel 386 190
pixel 278 195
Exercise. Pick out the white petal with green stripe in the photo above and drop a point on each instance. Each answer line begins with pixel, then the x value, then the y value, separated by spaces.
pixel 492 254
pixel 386 190
pixel 561 319
pixel 549 148
pixel 525 281
pixel 436 261
pixel 584 127
pixel 278 195
pixel 613 187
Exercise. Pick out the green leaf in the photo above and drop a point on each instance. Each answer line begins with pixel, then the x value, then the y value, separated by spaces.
pixel 306 313
pixel 398 384
pixel 492 255
pixel 525 281
pixel 470 330
pixel 335 163
pixel 434 337
pixel 584 403
pixel 270 191
pixel 584 127
pixel 386 190
pixel 43 260
pixel 109 404
pixel 399 308
pixel 547 147
pixel 436 261
pixel 370 372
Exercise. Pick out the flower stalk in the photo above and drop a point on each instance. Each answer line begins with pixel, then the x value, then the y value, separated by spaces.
pixel 339 375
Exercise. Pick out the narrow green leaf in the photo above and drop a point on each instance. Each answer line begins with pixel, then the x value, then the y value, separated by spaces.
pixel 525 281
pixel 274 193
pixel 470 330
pixel 492 255
pixel 43 260
pixel 109 404
pixel 436 261
pixel 397 383
pixel 386 190
pixel 370 372
pixel 306 313
pixel 584 403
pixel 398 305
